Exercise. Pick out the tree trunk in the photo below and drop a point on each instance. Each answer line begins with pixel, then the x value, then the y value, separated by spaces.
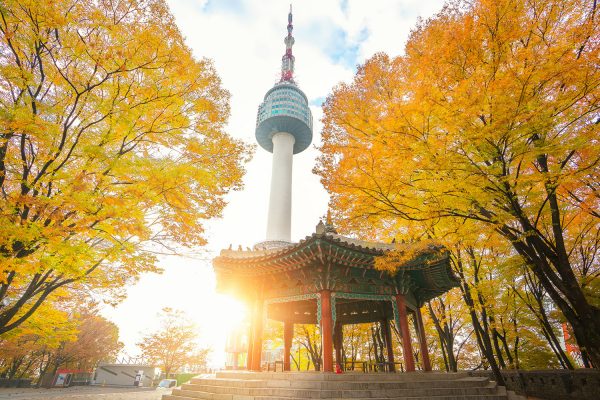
pixel 553 340
pixel 481 333
pixel 445 335
pixel 583 317
pixel 497 348
pixel 314 351
pixel 539 310
pixel 296 362
pixel 552 267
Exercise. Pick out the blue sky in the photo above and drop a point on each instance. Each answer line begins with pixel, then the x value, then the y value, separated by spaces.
pixel 244 38
pixel 335 42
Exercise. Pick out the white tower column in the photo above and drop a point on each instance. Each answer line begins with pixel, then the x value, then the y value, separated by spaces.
pixel 280 202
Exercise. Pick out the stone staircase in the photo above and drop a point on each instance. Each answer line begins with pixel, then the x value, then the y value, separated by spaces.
pixel 235 385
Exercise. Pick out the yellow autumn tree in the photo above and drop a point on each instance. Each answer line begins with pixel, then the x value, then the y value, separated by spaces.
pixel 491 117
pixel 173 345
pixel 61 333
pixel 111 140
pixel 28 350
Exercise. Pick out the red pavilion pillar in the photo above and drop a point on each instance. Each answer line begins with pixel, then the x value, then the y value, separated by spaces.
pixel 288 335
pixel 326 331
pixel 409 361
pixel 387 334
pixel 422 341
pixel 250 339
pixel 257 336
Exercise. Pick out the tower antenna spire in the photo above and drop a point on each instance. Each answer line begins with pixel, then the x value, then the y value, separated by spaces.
pixel 287 61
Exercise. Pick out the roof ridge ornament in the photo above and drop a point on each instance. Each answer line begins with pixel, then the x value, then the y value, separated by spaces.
pixel 320 228
pixel 327 227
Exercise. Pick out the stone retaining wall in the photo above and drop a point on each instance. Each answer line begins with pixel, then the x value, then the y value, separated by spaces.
pixel 15 383
pixel 581 384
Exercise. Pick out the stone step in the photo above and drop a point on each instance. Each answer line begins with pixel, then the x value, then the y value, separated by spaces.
pixel 234 382
pixel 347 376
pixel 355 386
pixel 443 397
pixel 454 388
pixel 194 396
pixel 239 393
pixel 340 385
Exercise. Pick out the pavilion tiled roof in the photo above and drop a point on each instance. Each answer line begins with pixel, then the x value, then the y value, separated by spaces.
pixel 349 251
pixel 427 270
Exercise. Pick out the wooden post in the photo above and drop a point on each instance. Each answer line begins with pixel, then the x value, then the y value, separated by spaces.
pixel 422 341
pixel 257 336
pixel 409 361
pixel 288 335
pixel 326 331
pixel 387 334
pixel 338 342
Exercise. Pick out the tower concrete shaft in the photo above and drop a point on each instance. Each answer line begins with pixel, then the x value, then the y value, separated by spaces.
pixel 280 201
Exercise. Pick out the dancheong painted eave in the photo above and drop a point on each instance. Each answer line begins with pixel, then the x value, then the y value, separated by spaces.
pixel 320 247
pixel 429 270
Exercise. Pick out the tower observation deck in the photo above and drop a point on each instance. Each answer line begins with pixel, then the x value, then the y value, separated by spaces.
pixel 284 128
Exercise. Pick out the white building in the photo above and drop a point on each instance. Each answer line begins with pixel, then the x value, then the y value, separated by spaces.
pixel 125 375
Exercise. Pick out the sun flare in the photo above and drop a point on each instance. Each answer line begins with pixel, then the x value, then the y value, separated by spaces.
pixel 220 318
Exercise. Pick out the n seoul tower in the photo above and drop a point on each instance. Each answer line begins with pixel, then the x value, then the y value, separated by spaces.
pixel 284 128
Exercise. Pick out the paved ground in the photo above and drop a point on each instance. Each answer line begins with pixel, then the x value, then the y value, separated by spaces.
pixel 83 393
pixel 97 393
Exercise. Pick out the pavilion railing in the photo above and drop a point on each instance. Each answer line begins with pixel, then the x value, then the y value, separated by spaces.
pixel 385 367
pixel 354 366
pixel 362 366
pixel 366 366
pixel 276 366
